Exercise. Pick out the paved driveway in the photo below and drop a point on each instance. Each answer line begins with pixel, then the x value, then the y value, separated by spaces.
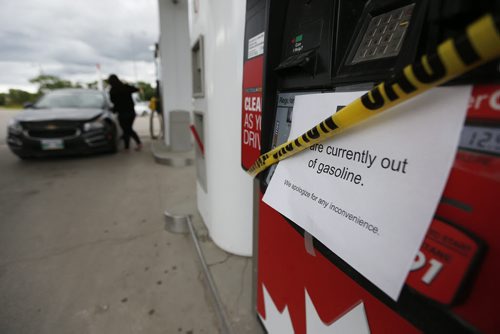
pixel 5 115
pixel 83 250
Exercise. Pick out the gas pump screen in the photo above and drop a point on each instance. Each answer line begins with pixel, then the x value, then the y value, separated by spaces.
pixel 481 138
pixel 384 35
pixel 370 193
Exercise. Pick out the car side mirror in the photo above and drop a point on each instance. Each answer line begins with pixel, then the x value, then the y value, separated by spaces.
pixel 28 105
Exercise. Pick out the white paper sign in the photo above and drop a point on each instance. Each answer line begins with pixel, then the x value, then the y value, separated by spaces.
pixel 256 45
pixel 370 193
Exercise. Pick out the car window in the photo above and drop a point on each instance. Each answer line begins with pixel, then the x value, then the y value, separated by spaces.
pixel 79 99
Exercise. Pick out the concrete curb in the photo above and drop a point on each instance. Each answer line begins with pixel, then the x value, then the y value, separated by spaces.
pixel 164 156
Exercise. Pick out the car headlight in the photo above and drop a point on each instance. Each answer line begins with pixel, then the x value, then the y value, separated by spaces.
pixel 15 126
pixel 95 125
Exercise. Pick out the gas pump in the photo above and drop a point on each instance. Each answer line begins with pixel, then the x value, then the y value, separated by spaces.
pixel 337 46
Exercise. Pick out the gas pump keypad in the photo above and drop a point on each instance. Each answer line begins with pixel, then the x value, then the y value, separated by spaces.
pixel 384 36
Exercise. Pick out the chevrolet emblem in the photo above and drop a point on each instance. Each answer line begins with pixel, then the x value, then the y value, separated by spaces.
pixel 51 127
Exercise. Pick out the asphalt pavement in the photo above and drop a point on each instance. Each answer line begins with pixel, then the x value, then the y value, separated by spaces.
pixel 5 116
pixel 83 248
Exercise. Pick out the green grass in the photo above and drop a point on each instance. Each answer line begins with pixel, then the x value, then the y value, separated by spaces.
pixel 12 106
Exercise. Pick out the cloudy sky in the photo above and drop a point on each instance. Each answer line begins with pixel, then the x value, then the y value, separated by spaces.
pixel 68 38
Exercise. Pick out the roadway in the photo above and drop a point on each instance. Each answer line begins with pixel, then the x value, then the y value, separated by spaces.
pixel 83 249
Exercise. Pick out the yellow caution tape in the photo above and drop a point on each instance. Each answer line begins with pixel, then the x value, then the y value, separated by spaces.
pixel 480 44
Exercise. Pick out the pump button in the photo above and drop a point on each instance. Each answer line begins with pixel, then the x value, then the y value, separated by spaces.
pixel 446 261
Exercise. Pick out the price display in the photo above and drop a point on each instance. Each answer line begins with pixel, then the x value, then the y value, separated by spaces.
pixel 480 138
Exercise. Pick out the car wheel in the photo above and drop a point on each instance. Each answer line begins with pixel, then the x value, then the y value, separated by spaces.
pixel 114 144
pixel 24 157
pixel 114 148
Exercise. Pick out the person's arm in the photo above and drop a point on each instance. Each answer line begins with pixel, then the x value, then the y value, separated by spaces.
pixel 132 89
pixel 112 98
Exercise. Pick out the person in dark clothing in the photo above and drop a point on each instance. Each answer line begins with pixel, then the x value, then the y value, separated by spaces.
pixel 121 96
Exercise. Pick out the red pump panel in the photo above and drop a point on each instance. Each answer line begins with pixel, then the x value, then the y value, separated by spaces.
pixel 455 274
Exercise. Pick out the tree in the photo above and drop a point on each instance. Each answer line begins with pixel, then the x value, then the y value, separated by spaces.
pixel 3 99
pixel 49 82
pixel 19 97
pixel 147 91
pixel 92 85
